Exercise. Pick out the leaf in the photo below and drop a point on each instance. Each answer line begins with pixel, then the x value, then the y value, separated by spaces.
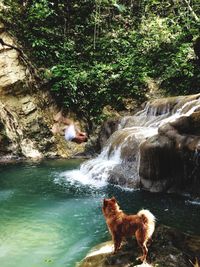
pixel 121 8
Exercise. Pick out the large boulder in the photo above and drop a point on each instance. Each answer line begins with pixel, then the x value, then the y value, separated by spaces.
pixel 170 161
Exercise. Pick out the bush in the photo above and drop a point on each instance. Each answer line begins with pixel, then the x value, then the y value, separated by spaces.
pixel 100 52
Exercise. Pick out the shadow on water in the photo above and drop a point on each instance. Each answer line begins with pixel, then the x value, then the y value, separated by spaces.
pixel 51 218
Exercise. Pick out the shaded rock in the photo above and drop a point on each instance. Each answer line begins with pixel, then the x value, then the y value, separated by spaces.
pixel 125 173
pixel 159 165
pixel 170 248
pixel 119 175
pixel 170 160
pixel 107 129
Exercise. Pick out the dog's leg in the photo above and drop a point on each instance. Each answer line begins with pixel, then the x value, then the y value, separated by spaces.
pixel 141 240
pixel 117 242
pixel 145 251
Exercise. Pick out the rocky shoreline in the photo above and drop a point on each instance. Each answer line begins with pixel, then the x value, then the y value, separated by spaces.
pixel 170 248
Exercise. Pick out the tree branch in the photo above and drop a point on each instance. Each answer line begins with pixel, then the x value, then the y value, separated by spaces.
pixel 24 58
pixel 192 11
pixel 11 46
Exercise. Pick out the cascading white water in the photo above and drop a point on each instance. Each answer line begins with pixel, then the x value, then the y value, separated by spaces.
pixel 114 160
pixel 95 171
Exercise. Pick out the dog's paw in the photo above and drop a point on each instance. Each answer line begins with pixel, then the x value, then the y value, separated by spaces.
pixel 141 258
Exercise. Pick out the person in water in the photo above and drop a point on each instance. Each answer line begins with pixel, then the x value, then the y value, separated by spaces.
pixel 71 133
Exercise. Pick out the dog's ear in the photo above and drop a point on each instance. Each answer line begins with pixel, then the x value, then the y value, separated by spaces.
pixel 105 202
pixel 113 199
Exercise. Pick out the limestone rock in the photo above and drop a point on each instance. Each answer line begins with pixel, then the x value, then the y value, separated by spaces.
pixel 26 110
pixel 170 161
pixel 107 129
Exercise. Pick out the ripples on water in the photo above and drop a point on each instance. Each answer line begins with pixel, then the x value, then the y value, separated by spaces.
pixel 51 212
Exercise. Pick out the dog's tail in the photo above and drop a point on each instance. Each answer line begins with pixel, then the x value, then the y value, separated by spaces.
pixel 149 219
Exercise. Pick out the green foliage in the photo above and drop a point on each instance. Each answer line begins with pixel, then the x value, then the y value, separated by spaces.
pixel 100 52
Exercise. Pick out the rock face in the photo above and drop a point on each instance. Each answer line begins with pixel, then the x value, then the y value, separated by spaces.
pixel 170 160
pixel 26 111
pixel 107 129
pixel 169 248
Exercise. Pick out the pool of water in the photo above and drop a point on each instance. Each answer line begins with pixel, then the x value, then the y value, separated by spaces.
pixel 50 218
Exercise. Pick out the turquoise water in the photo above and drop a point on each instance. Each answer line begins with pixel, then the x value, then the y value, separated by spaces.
pixel 47 219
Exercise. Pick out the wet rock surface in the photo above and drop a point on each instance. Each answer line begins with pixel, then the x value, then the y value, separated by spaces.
pixel 169 248
pixel 107 129
pixel 170 161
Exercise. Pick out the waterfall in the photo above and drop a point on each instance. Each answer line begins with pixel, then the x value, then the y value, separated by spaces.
pixel 119 160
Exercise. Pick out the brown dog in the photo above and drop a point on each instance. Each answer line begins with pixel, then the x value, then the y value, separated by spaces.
pixel 121 226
